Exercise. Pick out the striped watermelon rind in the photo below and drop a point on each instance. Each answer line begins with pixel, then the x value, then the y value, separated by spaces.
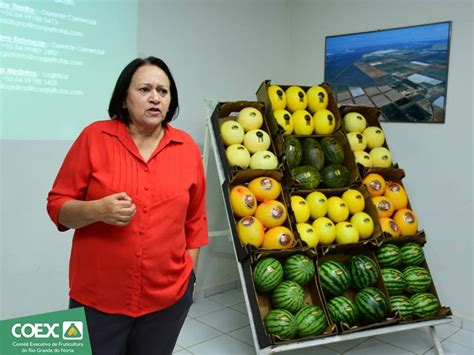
pixel 267 274
pixel 388 255
pixel 418 279
pixel 412 254
pixel 299 268
pixel 363 271
pixel 402 305
pixel 281 324
pixel 311 321
pixel 425 305
pixel 288 295
pixel 373 305
pixel 343 310
pixel 334 276
pixel 394 281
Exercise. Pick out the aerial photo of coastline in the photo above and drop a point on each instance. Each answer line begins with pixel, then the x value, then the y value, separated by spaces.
pixel 402 71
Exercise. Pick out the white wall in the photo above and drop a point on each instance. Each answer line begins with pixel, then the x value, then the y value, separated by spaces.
pixel 223 50
pixel 437 159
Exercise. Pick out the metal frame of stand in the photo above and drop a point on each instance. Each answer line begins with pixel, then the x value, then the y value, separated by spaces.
pixel 210 143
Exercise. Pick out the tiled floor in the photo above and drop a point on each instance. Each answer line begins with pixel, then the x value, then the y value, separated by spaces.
pixel 219 325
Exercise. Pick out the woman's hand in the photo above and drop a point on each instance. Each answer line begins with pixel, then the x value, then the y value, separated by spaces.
pixel 116 209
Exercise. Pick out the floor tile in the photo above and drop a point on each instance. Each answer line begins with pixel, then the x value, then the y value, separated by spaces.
pixel 194 332
pixel 204 306
pixel 468 325
pixel 452 348
pixel 241 307
pixel 177 348
pixel 243 334
pixel 376 347
pixel 463 337
pixel 415 341
pixel 229 298
pixel 345 345
pixel 443 330
pixel 456 321
pixel 182 352
pixel 314 350
pixel 226 320
pixel 221 345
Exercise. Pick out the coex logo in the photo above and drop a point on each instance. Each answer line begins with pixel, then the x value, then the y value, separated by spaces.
pixel 70 330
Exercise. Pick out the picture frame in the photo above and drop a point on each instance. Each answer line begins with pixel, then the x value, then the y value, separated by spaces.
pixel 403 71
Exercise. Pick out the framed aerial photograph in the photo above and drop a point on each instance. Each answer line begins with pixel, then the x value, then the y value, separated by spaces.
pixel 402 71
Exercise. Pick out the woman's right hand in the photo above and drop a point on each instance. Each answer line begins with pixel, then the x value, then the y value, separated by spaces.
pixel 117 209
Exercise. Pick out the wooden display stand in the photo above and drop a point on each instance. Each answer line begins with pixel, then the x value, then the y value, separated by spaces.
pixel 211 144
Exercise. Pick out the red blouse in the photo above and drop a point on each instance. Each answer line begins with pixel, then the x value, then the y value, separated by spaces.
pixel 144 266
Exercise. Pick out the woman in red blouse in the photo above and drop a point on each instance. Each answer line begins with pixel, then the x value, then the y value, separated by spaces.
pixel 133 188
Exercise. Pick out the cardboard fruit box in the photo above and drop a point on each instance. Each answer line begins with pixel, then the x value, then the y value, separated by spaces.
pixel 261 303
pixel 375 239
pixel 443 312
pixel 243 178
pixel 371 115
pixel 343 256
pixel 226 111
pixel 275 129
pixel 349 163
pixel 396 175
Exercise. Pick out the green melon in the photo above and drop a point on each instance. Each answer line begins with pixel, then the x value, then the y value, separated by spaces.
pixel 293 151
pixel 363 271
pixel 288 295
pixel 373 305
pixel 335 278
pixel 312 153
pixel 394 281
pixel 343 310
pixel 412 254
pixel 311 321
pixel 425 305
pixel 418 279
pixel 388 255
pixel 281 324
pixel 267 274
pixel 334 176
pixel 306 177
pixel 299 268
pixel 333 150
pixel 402 305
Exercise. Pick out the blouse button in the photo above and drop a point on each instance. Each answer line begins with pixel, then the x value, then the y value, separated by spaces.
pixel 146 188
pixel 146 170
pixel 138 254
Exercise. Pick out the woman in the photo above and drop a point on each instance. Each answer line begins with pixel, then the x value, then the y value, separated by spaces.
pixel 133 188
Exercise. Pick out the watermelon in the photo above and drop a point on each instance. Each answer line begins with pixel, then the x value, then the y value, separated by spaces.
pixel 343 310
pixel 267 274
pixel 388 255
pixel 412 254
pixel 335 175
pixel 425 305
pixel 306 177
pixel 394 281
pixel 311 321
pixel 333 150
pixel 373 305
pixel 288 295
pixel 281 324
pixel 299 268
pixel 402 305
pixel 312 153
pixel 335 278
pixel 363 271
pixel 418 279
pixel 293 151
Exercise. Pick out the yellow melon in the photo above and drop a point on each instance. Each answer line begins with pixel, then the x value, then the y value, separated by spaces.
pixel 307 234
pixel 318 204
pixel 318 98
pixel 375 184
pixel 397 194
pixel 278 238
pixel 271 213
pixel 407 221
pixel 383 206
pixel 300 208
pixel 390 227
pixel 277 97
pixel 265 188
pixel 354 200
pixel 296 99
pixel 250 231
pixel 325 230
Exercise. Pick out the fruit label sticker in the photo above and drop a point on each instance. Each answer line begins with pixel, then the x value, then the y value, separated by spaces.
pixel 266 184
pixel 249 201
pixel 285 239
pixel 375 185
pixel 277 212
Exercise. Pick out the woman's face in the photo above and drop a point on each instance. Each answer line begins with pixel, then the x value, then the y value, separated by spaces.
pixel 148 97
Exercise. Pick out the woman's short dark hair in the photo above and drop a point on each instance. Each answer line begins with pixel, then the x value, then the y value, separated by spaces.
pixel 116 109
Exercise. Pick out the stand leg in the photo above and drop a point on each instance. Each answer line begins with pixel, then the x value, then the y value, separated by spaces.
pixel 439 348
